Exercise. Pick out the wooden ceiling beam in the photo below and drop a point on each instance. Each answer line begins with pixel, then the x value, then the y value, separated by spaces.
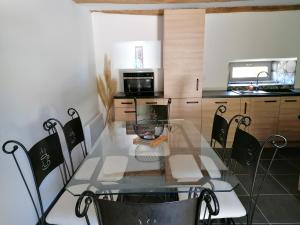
pixel 160 12
pixel 270 8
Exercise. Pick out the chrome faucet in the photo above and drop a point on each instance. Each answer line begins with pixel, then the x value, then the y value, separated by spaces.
pixel 258 77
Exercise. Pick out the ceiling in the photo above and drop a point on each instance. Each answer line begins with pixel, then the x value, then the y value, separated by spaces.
pixel 122 4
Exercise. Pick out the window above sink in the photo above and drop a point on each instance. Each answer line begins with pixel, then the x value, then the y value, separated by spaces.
pixel 266 73
pixel 247 71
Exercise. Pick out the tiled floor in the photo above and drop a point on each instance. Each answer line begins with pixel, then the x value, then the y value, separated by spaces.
pixel 279 202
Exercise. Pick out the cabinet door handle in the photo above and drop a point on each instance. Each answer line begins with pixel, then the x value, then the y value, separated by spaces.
pixel 129 111
pixel 268 101
pixel 220 102
pixel 126 103
pixel 197 84
pixel 192 102
pixel 151 103
pixel 245 108
pixel 291 100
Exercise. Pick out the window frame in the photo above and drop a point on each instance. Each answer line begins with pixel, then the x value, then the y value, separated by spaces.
pixel 232 80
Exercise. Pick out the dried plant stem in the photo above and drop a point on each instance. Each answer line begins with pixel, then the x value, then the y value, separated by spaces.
pixel 107 88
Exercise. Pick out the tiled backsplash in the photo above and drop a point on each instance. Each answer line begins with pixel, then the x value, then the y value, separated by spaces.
pixel 283 72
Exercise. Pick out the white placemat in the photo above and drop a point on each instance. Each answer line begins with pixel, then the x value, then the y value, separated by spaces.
pixel 86 170
pixel 184 168
pixel 210 166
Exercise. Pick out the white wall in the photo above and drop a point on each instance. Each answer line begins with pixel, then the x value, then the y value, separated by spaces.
pixel 228 37
pixel 46 65
pixel 111 29
pixel 235 36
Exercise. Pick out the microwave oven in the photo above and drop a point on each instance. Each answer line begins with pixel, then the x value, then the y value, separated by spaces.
pixel 138 83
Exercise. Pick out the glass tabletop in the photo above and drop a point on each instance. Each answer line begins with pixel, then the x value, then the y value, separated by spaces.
pixel 178 160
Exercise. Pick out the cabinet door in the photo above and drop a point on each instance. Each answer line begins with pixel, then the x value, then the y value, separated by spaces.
pixel 189 109
pixel 183 52
pixel 264 114
pixel 125 114
pixel 209 107
pixel 289 118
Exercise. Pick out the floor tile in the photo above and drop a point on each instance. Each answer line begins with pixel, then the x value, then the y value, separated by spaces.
pixel 271 186
pixel 295 163
pixel 238 169
pixel 240 190
pixel 268 154
pixel 289 182
pixel 280 208
pixel 290 153
pixel 280 167
pixel 258 217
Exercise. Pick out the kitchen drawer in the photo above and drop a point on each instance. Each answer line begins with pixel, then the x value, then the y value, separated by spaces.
pixel 125 114
pixel 124 103
pixel 150 101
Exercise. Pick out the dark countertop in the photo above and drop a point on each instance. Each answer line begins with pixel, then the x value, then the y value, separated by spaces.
pixel 234 94
pixel 219 94
pixel 121 95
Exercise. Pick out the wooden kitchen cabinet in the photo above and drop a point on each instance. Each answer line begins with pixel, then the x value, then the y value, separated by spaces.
pixel 289 119
pixel 183 52
pixel 209 107
pixel 189 109
pixel 125 108
pixel 264 114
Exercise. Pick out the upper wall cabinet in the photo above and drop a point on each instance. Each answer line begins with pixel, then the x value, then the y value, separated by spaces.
pixel 183 52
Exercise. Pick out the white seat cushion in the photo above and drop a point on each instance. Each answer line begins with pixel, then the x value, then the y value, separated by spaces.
pixel 230 205
pixel 63 212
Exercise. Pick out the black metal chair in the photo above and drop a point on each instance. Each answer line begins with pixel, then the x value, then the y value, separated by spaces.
pixel 73 133
pixel 247 151
pixel 185 212
pixel 45 156
pixel 220 128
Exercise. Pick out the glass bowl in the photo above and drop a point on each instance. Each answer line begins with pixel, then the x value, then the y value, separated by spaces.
pixel 148 131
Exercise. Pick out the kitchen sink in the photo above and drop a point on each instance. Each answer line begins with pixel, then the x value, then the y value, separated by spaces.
pixel 251 92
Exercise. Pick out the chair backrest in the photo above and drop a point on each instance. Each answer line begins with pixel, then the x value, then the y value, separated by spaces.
pixel 73 133
pixel 185 212
pixel 247 151
pixel 221 127
pixel 43 157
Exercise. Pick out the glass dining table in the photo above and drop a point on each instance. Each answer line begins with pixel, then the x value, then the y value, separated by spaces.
pixel 122 163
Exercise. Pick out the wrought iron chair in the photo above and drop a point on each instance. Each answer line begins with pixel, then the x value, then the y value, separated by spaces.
pixel 230 205
pixel 73 133
pixel 44 157
pixel 184 212
pixel 220 129
pixel 247 151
